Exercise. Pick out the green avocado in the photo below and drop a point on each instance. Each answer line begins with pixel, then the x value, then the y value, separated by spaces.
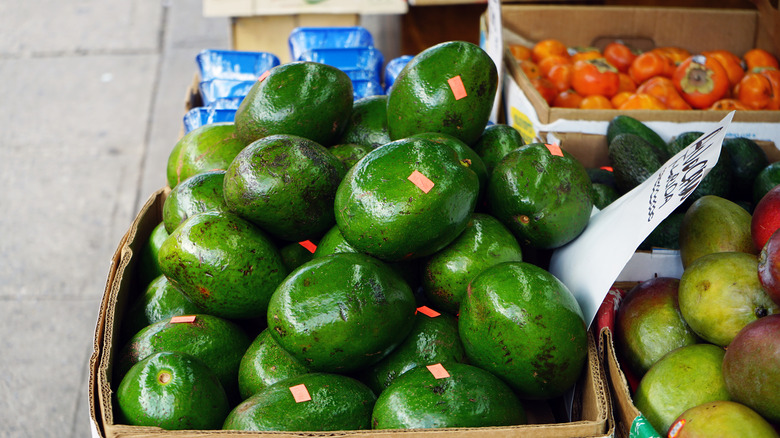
pixel 382 207
pixel 333 242
pixel 148 264
pixel 305 99
pixel 765 181
pixel 285 185
pixel 542 197
pixel 603 195
pixel 449 88
pixel 447 273
pixel 217 342
pixel 294 254
pixel 349 153
pixel 432 340
pixel 682 141
pixel 718 182
pixel 161 300
pixel 469 397
pixel 223 263
pixel 172 391
pixel 196 194
pixel 747 161
pixel 465 154
pixel 367 124
pixel 208 147
pixel 341 312
pixel 522 324
pixel 666 234
pixel 633 161
pixel 495 142
pixel 337 403
pixel 265 363
pixel 622 124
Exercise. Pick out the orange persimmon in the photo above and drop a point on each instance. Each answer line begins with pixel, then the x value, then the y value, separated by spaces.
pixel 730 62
pixel 567 99
pixel 595 101
pixel 754 90
pixel 621 97
pixel 595 76
pixel 663 88
pixel 530 68
pixel 560 76
pixel 585 53
pixel 619 55
pixel 625 83
pixel 546 64
pixel 647 65
pixel 548 47
pixel 773 75
pixel 728 104
pixel 642 101
pixel 701 80
pixel 755 58
pixel 520 51
pixel 545 88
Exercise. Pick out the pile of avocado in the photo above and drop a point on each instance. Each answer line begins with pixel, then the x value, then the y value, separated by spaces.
pixel 743 173
pixel 324 264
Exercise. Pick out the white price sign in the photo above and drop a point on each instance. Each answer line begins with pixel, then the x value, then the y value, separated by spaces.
pixel 495 48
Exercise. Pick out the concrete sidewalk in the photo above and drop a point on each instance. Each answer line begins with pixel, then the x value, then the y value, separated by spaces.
pixel 92 103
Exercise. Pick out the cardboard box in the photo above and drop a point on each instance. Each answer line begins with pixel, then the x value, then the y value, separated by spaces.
pixel 592 411
pixel 695 29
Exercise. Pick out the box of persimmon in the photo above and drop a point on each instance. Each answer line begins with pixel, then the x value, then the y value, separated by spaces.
pixel 541 96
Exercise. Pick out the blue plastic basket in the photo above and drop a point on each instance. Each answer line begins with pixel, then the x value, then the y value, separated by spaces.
pixel 232 64
pixel 227 103
pixel 358 58
pixel 302 39
pixel 214 89
pixel 367 87
pixel 393 68
pixel 201 116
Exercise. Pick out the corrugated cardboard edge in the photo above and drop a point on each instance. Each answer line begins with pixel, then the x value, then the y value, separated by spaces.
pixel 592 386
pixel 622 403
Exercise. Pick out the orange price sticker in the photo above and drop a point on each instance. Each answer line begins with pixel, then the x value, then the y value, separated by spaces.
pixel 676 427
pixel 421 181
pixel 308 245
pixel 456 85
pixel 438 371
pixel 300 393
pixel 607 168
pixel 427 311
pixel 554 149
pixel 264 75
pixel 183 318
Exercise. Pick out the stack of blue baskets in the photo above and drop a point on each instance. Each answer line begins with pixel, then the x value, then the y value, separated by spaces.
pixel 227 75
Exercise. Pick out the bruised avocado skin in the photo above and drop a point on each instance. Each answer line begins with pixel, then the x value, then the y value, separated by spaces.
pixel 421 99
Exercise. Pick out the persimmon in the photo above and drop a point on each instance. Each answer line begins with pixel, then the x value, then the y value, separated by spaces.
pixel 701 80
pixel 530 68
pixel 674 53
pixel 520 51
pixel 595 101
pixel 560 76
pixel 773 75
pixel 728 104
pixel 585 53
pixel 734 66
pixel 620 97
pixel 619 55
pixel 547 63
pixel 548 47
pixel 642 101
pixel 647 65
pixel 754 90
pixel 755 58
pixel 595 76
pixel 663 88
pixel 567 99
pixel 545 88
pixel 625 83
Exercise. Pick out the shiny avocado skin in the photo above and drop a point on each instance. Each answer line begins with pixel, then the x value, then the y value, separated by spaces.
pixel 205 148
pixel 196 194
pixel 470 397
pixel 307 99
pixel 217 342
pixel 341 312
pixel 337 402
pixel 367 125
pixel 421 99
pixel 380 212
pixel 161 300
pixel 223 263
pixel 265 363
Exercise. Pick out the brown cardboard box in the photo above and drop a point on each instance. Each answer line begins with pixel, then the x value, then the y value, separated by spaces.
pixel 695 29
pixel 592 411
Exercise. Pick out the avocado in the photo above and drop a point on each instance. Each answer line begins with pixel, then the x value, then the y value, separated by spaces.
pixel 465 154
pixel 682 141
pixel 208 147
pixel 333 242
pixel 543 198
pixel 522 324
pixel 196 194
pixel 265 363
pixel 633 161
pixel 432 340
pixel 161 300
pixel 666 234
pixel 495 142
pixel 449 88
pixel 349 153
pixel 294 255
pixel 718 182
pixel 601 175
pixel 382 207
pixel 284 184
pixel 173 391
pixel 469 397
pixel 341 312
pixel 302 98
pixel 447 273
pixel 217 342
pixel 622 124
pixel 223 263
pixel 337 402
pixel 747 161
pixel 603 195
pixel 766 180
pixel 367 123
pixel 148 264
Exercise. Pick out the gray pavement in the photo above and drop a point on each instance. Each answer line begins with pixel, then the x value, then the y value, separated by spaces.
pixel 91 101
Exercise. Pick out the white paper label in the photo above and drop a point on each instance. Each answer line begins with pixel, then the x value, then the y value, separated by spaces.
pixel 495 48
pixel 591 263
